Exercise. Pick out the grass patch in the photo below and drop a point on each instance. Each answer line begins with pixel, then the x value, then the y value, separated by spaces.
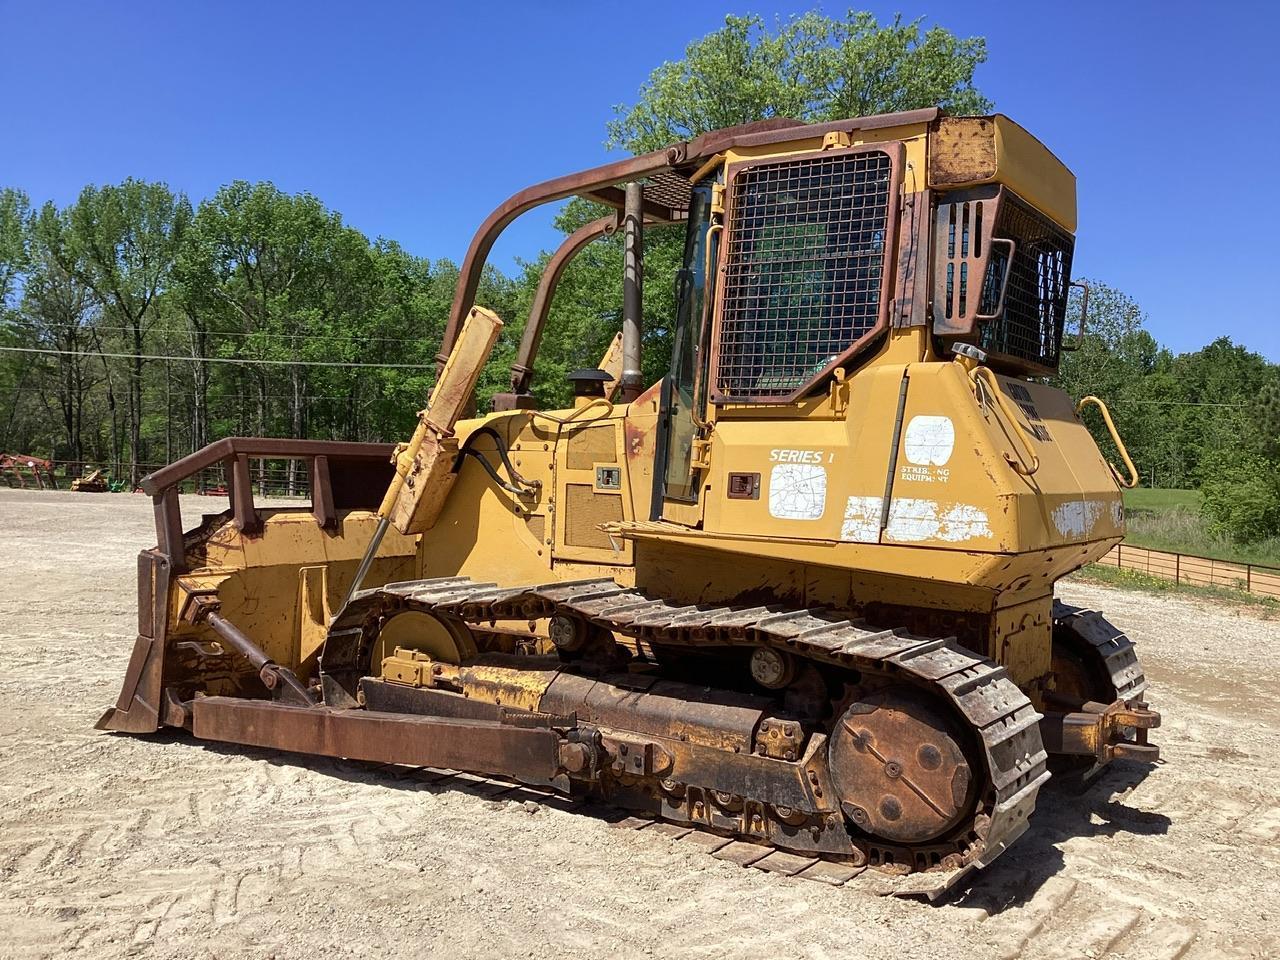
pixel 1170 520
pixel 1151 498
pixel 1137 580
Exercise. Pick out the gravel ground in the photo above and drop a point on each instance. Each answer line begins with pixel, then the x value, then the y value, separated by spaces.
pixel 115 846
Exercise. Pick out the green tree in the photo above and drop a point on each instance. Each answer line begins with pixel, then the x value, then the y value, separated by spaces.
pixel 1182 417
pixel 1241 497
pixel 1114 361
pixel 57 312
pixel 123 242
pixel 1266 411
pixel 1227 379
pixel 280 272
pixel 279 281
pixel 810 68
pixel 15 210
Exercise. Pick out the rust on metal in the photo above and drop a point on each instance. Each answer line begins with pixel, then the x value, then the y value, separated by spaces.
pixel 138 708
pixel 711 674
pixel 899 767
pixel 1001 278
pixel 347 472
pixel 700 749
pixel 274 447
pixel 19 465
pixel 529 754
pixel 240 489
pixel 680 155
pixel 322 507
pixel 611 174
pixel 962 150
pixel 1116 731
pixel 522 368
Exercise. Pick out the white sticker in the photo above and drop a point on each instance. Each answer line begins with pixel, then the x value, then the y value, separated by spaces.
pixel 925 474
pixel 1077 517
pixel 862 520
pixel 797 491
pixel 912 520
pixel 929 440
pixel 781 455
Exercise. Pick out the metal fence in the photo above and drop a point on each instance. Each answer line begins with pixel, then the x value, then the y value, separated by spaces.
pixel 1195 570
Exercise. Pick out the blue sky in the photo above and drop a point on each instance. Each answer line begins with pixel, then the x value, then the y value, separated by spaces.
pixel 414 120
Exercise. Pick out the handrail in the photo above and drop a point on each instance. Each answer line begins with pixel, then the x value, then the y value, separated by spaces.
pixel 702 372
pixel 234 454
pixel 987 377
pixel 276 447
pixel 1004 284
pixel 1132 481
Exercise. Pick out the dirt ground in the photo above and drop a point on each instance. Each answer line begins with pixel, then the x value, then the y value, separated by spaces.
pixel 115 846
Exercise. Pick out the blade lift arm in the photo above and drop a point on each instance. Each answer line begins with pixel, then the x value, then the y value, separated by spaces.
pixel 425 465
pixel 424 473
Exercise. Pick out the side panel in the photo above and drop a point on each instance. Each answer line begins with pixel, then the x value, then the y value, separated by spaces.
pixel 827 479
pixel 595 470
pixel 592 488
pixel 485 532
pixel 1078 499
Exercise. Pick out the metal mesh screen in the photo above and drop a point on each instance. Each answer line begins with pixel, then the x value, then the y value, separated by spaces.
pixel 1030 329
pixel 668 189
pixel 803 270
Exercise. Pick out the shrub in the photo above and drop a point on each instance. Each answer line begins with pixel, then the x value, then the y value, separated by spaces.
pixel 1241 497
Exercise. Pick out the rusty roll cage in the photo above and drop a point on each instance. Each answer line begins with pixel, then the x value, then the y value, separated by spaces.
pixel 575 243
pixel 667 168
pixel 522 369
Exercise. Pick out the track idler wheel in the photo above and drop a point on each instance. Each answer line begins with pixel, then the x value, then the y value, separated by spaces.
pixel 899 769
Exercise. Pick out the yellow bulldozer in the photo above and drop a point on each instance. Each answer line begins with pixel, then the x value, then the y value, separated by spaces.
pixel 798 593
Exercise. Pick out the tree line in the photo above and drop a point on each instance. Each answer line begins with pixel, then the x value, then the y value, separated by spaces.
pixel 1207 419
pixel 149 327
pixel 138 326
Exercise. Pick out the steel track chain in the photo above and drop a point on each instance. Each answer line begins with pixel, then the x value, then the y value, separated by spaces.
pixel 1115 651
pixel 1001 718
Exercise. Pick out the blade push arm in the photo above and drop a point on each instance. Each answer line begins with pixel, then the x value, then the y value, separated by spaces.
pixel 424 466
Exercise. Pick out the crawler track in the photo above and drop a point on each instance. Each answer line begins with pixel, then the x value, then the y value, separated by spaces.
pixel 1106 646
pixel 1000 720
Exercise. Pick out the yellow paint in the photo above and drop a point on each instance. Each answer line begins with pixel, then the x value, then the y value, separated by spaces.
pixel 261 580
pixel 965 535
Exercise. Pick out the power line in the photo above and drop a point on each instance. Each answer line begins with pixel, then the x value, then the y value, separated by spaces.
pixel 350 338
pixel 233 360
pixel 253 396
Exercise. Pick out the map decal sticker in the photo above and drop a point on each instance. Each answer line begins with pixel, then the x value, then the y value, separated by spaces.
pixel 929 441
pixel 797 491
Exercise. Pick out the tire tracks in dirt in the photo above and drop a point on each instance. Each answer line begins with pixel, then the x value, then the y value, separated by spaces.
pixel 164 847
